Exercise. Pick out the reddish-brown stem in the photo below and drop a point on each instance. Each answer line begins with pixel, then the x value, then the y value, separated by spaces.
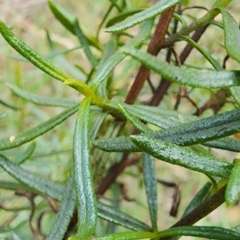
pixel 154 47
pixel 215 102
pixel 114 172
pixel 164 84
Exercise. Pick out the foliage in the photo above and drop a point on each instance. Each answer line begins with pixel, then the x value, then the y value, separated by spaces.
pixel 110 134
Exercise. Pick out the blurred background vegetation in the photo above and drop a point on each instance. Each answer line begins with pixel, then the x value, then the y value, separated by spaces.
pixel 32 20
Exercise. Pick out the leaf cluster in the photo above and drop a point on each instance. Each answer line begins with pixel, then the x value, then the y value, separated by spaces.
pixel 110 133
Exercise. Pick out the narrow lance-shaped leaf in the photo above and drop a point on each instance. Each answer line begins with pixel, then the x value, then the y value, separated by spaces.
pixel 206 54
pixel 30 54
pixel 203 130
pixel 201 231
pixel 121 17
pixel 105 212
pixel 84 44
pixel 86 199
pixel 110 48
pixel 13 186
pixel 127 236
pixel 123 144
pixel 98 120
pixel 235 92
pixel 39 184
pixel 108 66
pixel 111 215
pixel 67 20
pixel 199 197
pixel 65 212
pixel 118 144
pixel 232 44
pixel 137 18
pixel 236 228
pixel 204 192
pixel 8 105
pixel 174 154
pixel 116 194
pixel 26 155
pixel 197 231
pixel 75 72
pixel 134 120
pixel 211 79
pixel 41 100
pixel 228 143
pixel 151 187
pixel 159 117
pixel 36 184
pixel 231 35
pixel 200 131
pixel 232 193
pixel 7 143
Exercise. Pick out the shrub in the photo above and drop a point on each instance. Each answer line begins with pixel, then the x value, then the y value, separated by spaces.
pixel 161 117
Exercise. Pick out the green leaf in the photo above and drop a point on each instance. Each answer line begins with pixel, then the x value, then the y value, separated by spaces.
pixel 11 142
pixel 198 198
pixel 65 212
pixel 75 71
pixel 200 131
pixel 232 35
pixel 31 180
pixel 13 186
pixel 111 215
pixel 204 192
pixel 197 231
pixel 109 50
pixel 236 228
pixel 40 100
pixel 235 92
pixel 8 105
pixel 206 54
pixel 67 20
pixel 151 187
pixel 119 144
pixel 26 155
pixel 62 16
pixel 230 144
pixel 201 231
pixel 108 66
pixel 86 199
pixel 105 212
pixel 174 154
pixel 149 13
pixel 84 44
pixel 127 236
pixel 232 193
pixel 98 120
pixel 211 79
pixel 120 17
pixel 30 54
pixel 157 116
pixel 123 144
pixel 134 120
